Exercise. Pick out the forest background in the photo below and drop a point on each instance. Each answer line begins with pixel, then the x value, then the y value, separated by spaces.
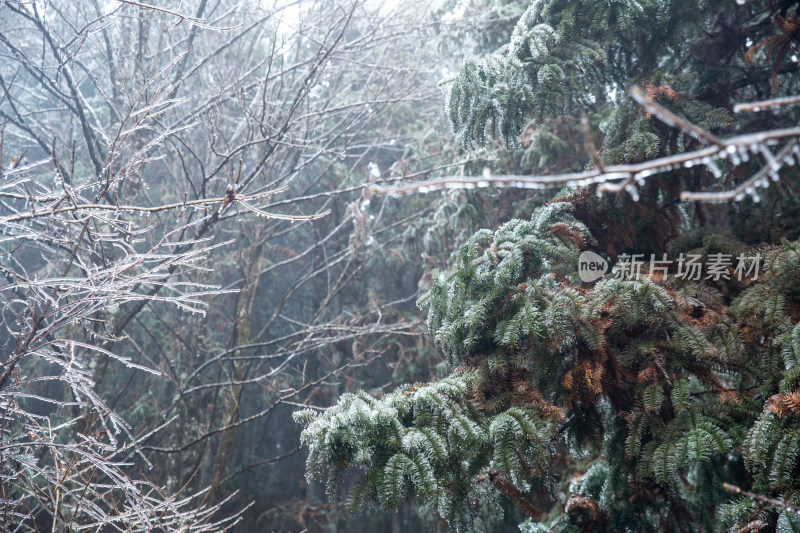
pixel 197 243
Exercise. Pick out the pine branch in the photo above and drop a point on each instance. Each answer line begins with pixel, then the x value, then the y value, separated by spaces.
pixel 512 493
pixel 784 404
pixel 759 498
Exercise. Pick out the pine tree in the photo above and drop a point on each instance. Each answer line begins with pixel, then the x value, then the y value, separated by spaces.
pixel 623 404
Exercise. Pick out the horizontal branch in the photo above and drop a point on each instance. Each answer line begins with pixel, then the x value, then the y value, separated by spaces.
pixel 164 10
pixel 205 202
pixel 759 498
pixel 635 171
pixel 748 185
pixel 194 21
pixel 764 104
pixel 737 148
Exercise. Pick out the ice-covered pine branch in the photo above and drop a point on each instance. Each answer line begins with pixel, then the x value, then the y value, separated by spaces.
pixel 719 153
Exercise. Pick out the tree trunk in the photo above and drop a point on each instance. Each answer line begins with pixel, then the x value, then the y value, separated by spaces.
pixel 241 336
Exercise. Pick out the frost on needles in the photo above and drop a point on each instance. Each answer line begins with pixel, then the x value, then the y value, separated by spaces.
pixel 644 383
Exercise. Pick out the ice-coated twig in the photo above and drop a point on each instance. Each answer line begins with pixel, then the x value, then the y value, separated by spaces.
pixel 759 498
pixel 746 187
pixel 638 171
pixel 201 203
pixel 737 149
pixel 764 104
pixel 671 119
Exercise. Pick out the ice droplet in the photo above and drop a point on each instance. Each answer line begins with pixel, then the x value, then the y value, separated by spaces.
pixel 714 168
pixel 633 192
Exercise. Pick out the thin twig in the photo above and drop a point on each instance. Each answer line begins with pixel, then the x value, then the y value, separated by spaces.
pixel 590 147
pixel 199 22
pixel 740 190
pixel 187 18
pixel 166 207
pixel 668 117
pixel 759 498
pixel 763 104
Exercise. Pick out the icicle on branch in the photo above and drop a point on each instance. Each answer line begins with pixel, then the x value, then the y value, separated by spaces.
pixel 618 178
pixel 764 104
